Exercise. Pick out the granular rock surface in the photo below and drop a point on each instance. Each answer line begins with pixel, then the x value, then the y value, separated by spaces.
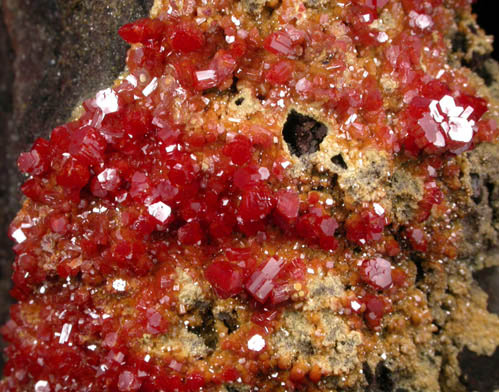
pixel 273 196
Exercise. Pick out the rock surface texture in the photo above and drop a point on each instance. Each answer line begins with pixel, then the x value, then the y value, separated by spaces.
pixel 275 196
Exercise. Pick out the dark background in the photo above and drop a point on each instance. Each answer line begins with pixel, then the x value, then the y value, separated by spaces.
pixel 488 18
pixel 54 54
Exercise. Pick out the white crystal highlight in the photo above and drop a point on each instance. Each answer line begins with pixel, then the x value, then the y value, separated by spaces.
pixel 160 211
pixel 256 343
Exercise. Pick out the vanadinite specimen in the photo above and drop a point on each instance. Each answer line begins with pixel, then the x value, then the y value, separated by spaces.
pixel 271 198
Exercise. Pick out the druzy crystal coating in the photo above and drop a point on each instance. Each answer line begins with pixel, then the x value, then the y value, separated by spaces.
pixel 154 179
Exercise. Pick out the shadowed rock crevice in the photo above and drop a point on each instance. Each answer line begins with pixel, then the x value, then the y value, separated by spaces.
pixel 381 380
pixel 207 328
pixel 339 161
pixel 488 279
pixel 229 320
pixel 479 372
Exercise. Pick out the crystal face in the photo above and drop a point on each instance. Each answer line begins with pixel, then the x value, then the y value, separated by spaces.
pixel 260 283
pixel 376 272
pixel 160 211
pixel 445 125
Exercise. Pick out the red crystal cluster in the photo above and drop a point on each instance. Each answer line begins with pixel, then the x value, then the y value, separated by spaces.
pixel 151 178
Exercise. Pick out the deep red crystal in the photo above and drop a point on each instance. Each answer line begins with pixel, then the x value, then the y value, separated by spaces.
pixel 376 307
pixel 256 203
pixel 366 225
pixel 187 37
pixel 142 30
pixel 87 145
pixel 239 150
pixel 225 278
pixel 36 161
pixel 261 282
pixel 73 174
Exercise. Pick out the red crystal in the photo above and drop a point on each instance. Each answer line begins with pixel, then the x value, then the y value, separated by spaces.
pixel 248 177
pixel 184 72
pixel 288 204
pixel 222 225
pixel 193 210
pixel 376 308
pixel 205 79
pixel 239 150
pixel 59 140
pixel 107 180
pixel 225 278
pixel 190 233
pixel 73 174
pixel 128 381
pixel 361 18
pixel 155 322
pixel 435 89
pixel 366 226
pixel 279 73
pixel 145 58
pixel 327 240
pixel 280 293
pixel 224 65
pixel 87 145
pixel 187 37
pixel 264 317
pixel 432 195
pixel 142 31
pixel 231 374
pixel 260 284
pixel 372 99
pixel 194 382
pixel 59 224
pixel 36 161
pixel 139 186
pixel 377 273
pixel 280 43
pixel 479 105
pixel 440 123
pixel 256 203
pixel 372 3
pixel 417 238
pixel 307 225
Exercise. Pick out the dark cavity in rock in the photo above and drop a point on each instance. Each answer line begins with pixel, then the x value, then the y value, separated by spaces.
pixel 303 134
pixel 384 378
pixel 339 161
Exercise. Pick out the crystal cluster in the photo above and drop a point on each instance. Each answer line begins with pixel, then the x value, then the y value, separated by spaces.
pixel 153 178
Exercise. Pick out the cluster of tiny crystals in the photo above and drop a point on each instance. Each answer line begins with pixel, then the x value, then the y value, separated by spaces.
pixel 152 178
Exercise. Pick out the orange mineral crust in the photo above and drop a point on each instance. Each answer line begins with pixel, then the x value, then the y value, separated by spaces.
pixel 249 207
